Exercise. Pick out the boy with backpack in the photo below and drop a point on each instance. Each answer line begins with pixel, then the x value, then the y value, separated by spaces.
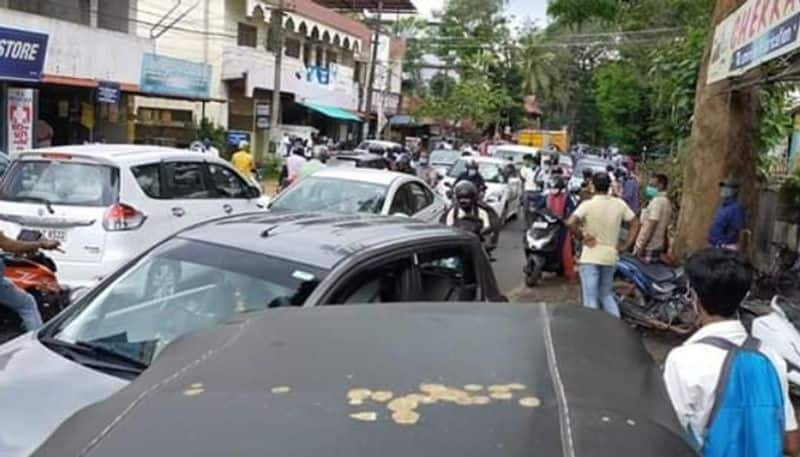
pixel 730 393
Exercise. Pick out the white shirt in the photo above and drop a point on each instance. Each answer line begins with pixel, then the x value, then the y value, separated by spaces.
pixel 692 372
pixel 293 165
pixel 528 175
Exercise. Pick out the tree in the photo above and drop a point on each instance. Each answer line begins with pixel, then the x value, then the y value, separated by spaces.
pixel 538 63
pixel 619 94
pixel 723 143
pixel 415 31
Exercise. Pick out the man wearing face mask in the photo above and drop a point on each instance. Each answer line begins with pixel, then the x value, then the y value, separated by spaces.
pixel 728 222
pixel 467 213
pixel 651 243
pixel 472 175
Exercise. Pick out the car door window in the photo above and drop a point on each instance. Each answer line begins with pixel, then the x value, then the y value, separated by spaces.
pixel 421 197
pixel 226 182
pixel 185 180
pixel 389 282
pixel 447 274
pixel 149 179
pixel 403 201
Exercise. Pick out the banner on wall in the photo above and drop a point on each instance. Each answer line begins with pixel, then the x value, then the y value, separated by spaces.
pixel 757 32
pixel 20 119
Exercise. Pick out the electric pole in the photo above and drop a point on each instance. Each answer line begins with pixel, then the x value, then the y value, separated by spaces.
pixel 277 16
pixel 372 63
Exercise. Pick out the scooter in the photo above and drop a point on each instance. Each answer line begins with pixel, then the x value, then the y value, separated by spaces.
pixel 542 249
pixel 35 274
pixel 775 323
pixel 653 296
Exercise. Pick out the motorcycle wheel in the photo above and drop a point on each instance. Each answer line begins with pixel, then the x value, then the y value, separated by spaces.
pixel 534 273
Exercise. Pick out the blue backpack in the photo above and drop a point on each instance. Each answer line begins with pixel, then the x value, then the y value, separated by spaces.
pixel 747 419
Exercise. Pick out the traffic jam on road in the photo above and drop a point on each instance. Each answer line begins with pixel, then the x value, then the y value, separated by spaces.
pixel 429 228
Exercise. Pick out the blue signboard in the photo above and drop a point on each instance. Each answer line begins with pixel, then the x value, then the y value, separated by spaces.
pixel 108 92
pixel 22 54
pixel 234 137
pixel 175 77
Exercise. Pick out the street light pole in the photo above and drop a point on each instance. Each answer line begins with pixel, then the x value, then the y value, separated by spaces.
pixel 276 88
pixel 373 62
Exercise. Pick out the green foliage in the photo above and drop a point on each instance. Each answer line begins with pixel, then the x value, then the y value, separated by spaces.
pixel 216 134
pixel 474 99
pixel 672 165
pixel 620 94
pixel 776 122
pixel 579 12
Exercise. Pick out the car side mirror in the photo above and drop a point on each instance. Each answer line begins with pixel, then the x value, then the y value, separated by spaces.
pixel 449 194
pixel 448 184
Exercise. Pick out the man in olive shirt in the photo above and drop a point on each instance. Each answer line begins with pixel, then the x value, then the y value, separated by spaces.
pixel 652 240
pixel 598 222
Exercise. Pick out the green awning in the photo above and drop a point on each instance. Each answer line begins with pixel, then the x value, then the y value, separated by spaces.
pixel 331 111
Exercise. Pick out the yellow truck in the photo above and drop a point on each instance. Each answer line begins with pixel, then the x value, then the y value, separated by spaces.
pixel 543 138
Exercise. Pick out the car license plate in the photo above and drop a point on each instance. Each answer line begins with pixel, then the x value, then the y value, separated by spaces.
pixel 540 225
pixel 52 234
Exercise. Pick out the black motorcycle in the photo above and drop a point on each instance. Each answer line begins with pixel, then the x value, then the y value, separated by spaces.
pixel 542 246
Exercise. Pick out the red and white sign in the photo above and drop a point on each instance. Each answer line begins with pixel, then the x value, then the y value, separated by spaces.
pixel 20 120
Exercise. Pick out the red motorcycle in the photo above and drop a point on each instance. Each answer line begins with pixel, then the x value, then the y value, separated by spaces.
pixel 35 274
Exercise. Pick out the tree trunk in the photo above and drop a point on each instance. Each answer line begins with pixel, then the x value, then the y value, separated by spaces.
pixel 723 143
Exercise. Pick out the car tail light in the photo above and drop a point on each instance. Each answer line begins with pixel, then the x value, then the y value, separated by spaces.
pixel 121 217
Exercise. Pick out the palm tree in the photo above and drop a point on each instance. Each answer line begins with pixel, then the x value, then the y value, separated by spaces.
pixel 539 66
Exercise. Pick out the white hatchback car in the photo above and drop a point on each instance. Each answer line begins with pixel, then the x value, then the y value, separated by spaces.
pixel 503 187
pixel 362 190
pixel 108 203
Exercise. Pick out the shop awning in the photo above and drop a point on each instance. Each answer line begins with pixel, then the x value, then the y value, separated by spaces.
pixel 331 111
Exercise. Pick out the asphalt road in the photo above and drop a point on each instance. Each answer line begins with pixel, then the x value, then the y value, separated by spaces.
pixel 510 259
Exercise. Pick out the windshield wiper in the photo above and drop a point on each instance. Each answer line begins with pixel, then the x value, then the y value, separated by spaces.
pixel 111 358
pixel 47 203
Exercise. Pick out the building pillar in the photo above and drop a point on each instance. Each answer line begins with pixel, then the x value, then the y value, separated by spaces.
pixel 312 61
pixel 324 51
pixel 93 6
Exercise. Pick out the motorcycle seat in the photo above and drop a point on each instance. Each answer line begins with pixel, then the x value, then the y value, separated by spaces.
pixel 656 272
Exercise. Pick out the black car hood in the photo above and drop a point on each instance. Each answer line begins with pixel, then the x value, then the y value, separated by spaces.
pixel 600 393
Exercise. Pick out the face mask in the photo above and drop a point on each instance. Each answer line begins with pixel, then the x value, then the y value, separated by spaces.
pixel 472 172
pixel 651 192
pixel 727 192
pixel 423 163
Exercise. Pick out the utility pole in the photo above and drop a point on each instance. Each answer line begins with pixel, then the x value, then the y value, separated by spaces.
pixel 277 16
pixel 372 63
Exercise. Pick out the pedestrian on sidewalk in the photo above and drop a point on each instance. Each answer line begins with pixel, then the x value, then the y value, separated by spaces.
pixel 728 221
pixel 242 160
pixel 651 243
pixel 598 223
pixel 729 391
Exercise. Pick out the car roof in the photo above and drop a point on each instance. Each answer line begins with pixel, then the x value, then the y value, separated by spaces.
pixel 382 143
pixel 221 387
pixel 365 175
pixel 118 153
pixel 482 159
pixel 515 148
pixel 364 156
pixel 319 240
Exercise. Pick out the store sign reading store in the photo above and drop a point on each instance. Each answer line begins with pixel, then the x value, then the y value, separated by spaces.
pixel 22 54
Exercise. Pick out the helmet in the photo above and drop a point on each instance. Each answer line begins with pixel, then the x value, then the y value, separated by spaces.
pixel 559 183
pixel 404 160
pixel 322 155
pixel 466 190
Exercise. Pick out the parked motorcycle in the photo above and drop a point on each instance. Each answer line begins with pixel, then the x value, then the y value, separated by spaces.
pixel 653 296
pixel 35 274
pixel 542 249
pixel 775 323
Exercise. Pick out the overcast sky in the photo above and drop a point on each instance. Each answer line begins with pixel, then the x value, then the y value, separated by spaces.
pixel 523 9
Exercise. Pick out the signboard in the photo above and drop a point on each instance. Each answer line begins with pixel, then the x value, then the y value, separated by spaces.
pixel 318 75
pixel 759 31
pixel 20 120
pixel 108 93
pixel 175 77
pixel 234 137
pixel 22 54
pixel 262 112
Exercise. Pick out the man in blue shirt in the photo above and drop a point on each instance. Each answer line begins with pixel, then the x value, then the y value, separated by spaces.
pixel 729 220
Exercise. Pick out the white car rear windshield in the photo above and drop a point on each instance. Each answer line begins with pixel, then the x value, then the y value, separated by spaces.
pixel 61 182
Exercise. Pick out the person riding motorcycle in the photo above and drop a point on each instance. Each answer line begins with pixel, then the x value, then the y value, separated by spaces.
pixel 403 165
pixel 470 214
pixel 472 174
